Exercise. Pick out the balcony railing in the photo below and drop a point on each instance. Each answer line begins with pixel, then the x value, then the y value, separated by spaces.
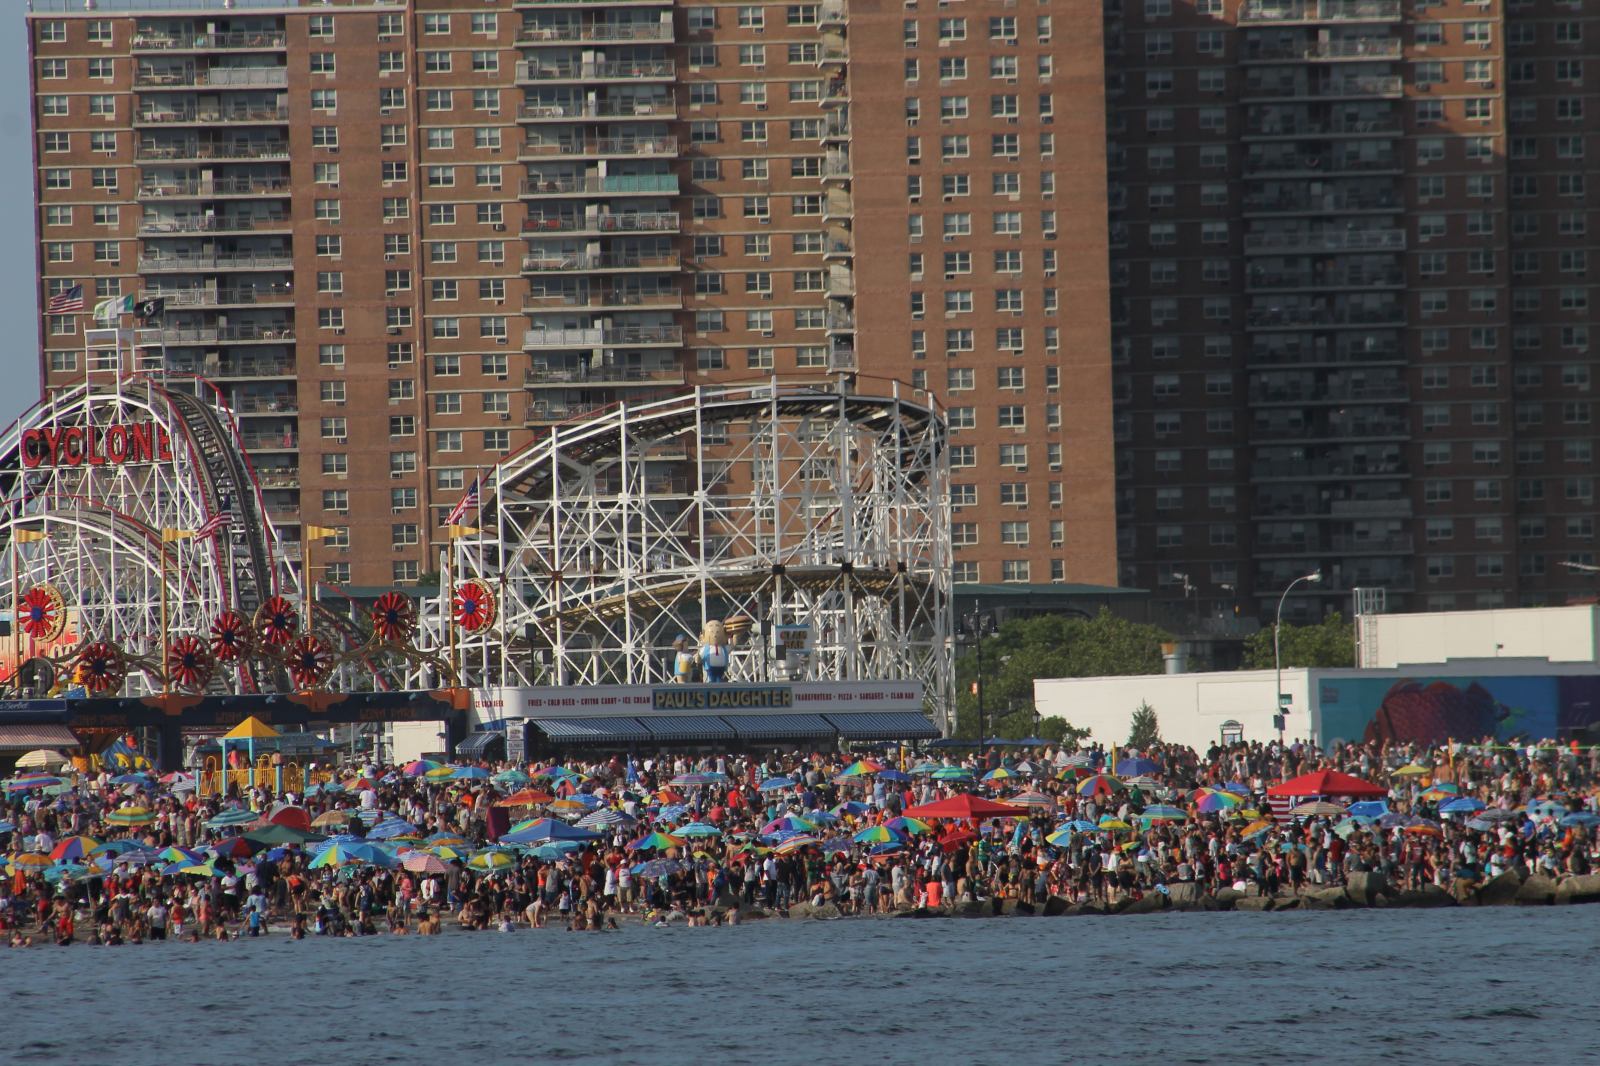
pixel 196 116
pixel 1354 240
pixel 1319 318
pixel 651 109
pixel 209 42
pixel 1377 85
pixel 1388 392
pixel 656 298
pixel 1325 50
pixel 601 34
pixel 1329 202
pixel 255 150
pixel 215 77
pixel 1290 127
pixel 258 294
pixel 617 337
pixel 218 261
pixel 540 264
pixel 644 146
pixel 1313 163
pixel 604 375
pixel 619 70
pixel 631 222
pixel 214 224
pixel 1262 281
pixel 1328 11
pixel 617 184
pixel 277 405
pixel 269 332
pixel 216 187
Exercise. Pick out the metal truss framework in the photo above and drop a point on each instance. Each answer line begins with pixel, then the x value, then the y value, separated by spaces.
pixel 76 518
pixel 761 505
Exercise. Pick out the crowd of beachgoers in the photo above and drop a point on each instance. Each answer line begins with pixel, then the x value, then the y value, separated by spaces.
pixel 709 839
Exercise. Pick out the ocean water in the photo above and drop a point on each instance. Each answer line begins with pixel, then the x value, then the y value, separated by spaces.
pixel 1458 987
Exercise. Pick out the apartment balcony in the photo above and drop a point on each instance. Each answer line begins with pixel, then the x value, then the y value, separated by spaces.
pixel 1324 280
pixel 589 3
pixel 249 368
pixel 1281 318
pixel 190 264
pixel 654 110
pixel 841 355
pixel 1305 242
pixel 1308 353
pixel 582 263
pixel 604 377
pixel 840 320
pixel 180 337
pixel 262 41
pixel 837 93
pixel 841 282
pixel 603 337
pixel 1365 51
pixel 210 116
pixel 269 442
pixel 630 222
pixel 837 130
pixel 266 405
pixel 1300 201
pixel 619 70
pixel 1325 470
pixel 833 55
pixel 1303 393
pixel 837 249
pixel 1313 165
pixel 216 188
pixel 603 185
pixel 1261 86
pixel 194 152
pixel 1293 12
pixel 628 33
pixel 835 13
pixel 836 167
pixel 597 148
pixel 1323 510
pixel 604 300
pixel 1331 429
pixel 278 477
pixel 273 221
pixel 213 78
pixel 248 296
pixel 837 205
pixel 1262 129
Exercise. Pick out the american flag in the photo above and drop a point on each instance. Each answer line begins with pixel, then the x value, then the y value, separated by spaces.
pixel 214 525
pixel 65 302
pixel 469 500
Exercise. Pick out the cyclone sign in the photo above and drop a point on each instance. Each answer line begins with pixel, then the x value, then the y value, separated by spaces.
pixel 115 445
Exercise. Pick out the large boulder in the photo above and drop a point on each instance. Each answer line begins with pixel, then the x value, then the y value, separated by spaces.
pixel 1184 894
pixel 1426 896
pixel 826 910
pixel 1054 906
pixel 1364 887
pixel 1537 891
pixel 1228 898
pixel 1150 903
pixel 1579 888
pixel 1326 899
pixel 1254 903
pixel 1500 891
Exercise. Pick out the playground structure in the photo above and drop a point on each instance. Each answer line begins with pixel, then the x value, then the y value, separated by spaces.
pixel 811 521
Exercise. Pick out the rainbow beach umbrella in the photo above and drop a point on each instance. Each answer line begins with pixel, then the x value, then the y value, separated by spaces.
pixel 877 834
pixel 72 849
pixel 491 860
pixel 131 816
pixel 655 840
pixel 909 826
pixel 1214 802
pixel 860 768
pixel 1098 785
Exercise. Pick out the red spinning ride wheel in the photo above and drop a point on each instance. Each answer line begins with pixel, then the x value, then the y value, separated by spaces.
pixel 309 661
pixel 393 618
pixel 189 663
pixel 277 622
pixel 42 613
pixel 230 637
pixel 473 606
pixel 101 667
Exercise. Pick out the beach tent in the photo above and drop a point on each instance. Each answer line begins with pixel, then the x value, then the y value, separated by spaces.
pixel 966 806
pixel 1327 783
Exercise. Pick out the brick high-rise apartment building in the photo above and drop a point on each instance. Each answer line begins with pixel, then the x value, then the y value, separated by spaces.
pixel 403 236
pixel 1353 299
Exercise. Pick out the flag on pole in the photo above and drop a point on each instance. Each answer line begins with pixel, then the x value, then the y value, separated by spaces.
pixel 469 500
pixel 65 302
pixel 28 536
pixel 113 308
pixel 456 531
pixel 319 532
pixel 214 525
pixel 150 308
pixel 169 534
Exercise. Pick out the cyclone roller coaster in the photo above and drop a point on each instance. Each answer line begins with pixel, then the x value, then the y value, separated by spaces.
pixel 768 507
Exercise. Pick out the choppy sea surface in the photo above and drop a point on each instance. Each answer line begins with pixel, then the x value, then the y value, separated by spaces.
pixel 1440 986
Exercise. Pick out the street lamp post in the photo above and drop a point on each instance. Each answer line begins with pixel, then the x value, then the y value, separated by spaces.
pixel 1277 656
pixel 974 627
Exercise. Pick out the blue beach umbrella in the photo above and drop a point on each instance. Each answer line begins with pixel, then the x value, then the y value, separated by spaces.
pixel 773 784
pixel 697 829
pixel 893 775
pixel 1137 766
pixel 1369 808
pixel 1584 819
pixel 1463 805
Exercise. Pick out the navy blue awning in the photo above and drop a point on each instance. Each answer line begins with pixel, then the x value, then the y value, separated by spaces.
pixel 592 730
pixel 781 726
pixel 478 745
pixel 688 727
pixel 884 725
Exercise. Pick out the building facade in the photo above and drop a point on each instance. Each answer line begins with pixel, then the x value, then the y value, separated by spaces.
pixel 498 215
pixel 1352 305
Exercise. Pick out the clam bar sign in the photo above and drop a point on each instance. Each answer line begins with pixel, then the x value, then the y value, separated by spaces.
pixel 810 697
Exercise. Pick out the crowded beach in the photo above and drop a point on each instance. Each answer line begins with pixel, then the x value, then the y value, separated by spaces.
pixel 104 851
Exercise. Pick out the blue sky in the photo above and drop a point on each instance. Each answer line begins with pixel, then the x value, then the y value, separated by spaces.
pixel 19 358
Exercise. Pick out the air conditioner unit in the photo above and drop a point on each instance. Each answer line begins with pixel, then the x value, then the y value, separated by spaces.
pixel 388 257
pixel 499 227
pixel 500 377
pixel 397 474
pixel 394 331
pixel 504 417
pixel 339 332
pixel 341 440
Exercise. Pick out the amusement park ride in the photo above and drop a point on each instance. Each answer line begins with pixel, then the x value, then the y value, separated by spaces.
pixel 150 587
